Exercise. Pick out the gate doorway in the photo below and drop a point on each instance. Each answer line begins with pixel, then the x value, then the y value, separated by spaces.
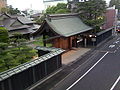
pixel 80 41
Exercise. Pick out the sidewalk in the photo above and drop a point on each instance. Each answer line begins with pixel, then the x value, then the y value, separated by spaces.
pixel 72 55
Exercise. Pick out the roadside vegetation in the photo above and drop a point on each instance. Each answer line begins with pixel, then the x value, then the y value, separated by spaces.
pixel 12 51
pixel 39 42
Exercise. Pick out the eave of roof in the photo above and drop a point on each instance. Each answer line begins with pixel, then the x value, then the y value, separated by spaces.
pixel 18 27
pixel 23 31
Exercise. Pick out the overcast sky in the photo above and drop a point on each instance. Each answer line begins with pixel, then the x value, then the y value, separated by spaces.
pixel 25 4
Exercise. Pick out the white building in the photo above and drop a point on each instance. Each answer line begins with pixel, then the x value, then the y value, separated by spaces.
pixel 49 3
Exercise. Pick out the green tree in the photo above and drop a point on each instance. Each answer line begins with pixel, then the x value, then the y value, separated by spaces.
pixel 4 10
pixel 22 52
pixel 91 12
pixel 51 10
pixel 61 11
pixel 39 20
pixel 25 54
pixel 59 8
pixel 6 58
pixel 10 10
pixel 116 3
pixel 13 11
pixel 13 51
pixel 17 39
pixel 4 38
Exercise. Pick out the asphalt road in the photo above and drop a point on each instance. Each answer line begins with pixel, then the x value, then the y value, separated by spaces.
pixel 103 73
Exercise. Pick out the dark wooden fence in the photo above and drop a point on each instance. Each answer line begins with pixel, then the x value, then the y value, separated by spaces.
pixel 103 35
pixel 23 76
pixel 99 37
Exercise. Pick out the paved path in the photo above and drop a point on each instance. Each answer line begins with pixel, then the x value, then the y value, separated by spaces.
pixel 74 54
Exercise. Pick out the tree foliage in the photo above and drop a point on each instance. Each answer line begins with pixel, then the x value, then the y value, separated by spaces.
pixel 7 60
pixel 10 10
pixel 61 11
pixel 4 38
pixel 13 11
pixel 3 35
pixel 13 51
pixel 39 20
pixel 116 3
pixel 92 11
pixel 59 8
pixel 4 10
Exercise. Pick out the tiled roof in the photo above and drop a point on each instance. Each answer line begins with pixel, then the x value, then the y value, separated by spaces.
pixel 23 31
pixel 64 25
pixel 67 25
pixel 25 20
pixel 8 22
pixel 22 24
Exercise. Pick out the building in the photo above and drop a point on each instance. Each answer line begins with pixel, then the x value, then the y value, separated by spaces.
pixel 64 30
pixel 110 18
pixel 3 4
pixel 17 24
pixel 49 3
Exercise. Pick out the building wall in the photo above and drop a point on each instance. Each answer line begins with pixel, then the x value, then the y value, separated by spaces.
pixel 110 18
pixel 3 3
pixel 65 43
pixel 61 43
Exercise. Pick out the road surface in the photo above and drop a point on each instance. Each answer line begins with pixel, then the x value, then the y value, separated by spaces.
pixel 102 73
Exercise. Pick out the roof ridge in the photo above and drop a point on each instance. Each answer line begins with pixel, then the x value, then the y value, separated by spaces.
pixel 62 15
pixel 57 18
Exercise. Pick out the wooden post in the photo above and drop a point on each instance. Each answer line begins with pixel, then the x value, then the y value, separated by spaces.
pixel 85 42
pixel 44 41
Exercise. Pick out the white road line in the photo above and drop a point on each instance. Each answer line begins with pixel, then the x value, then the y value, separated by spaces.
pixel 116 42
pixel 87 71
pixel 111 46
pixel 118 79
pixel 118 38
pixel 115 51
